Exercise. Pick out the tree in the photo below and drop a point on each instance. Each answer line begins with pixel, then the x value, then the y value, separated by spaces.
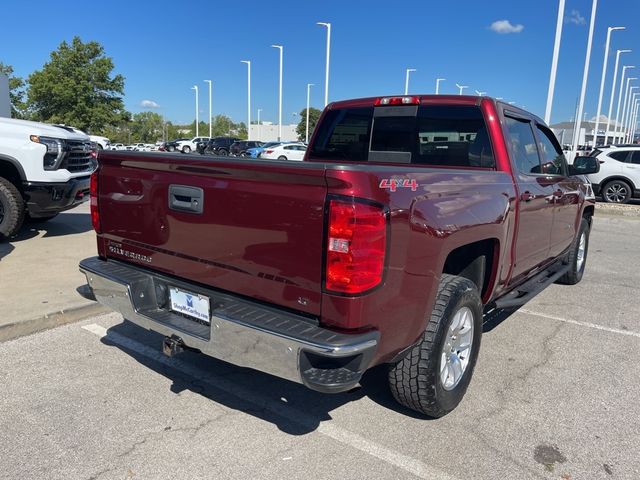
pixel 76 87
pixel 17 87
pixel 147 127
pixel 314 116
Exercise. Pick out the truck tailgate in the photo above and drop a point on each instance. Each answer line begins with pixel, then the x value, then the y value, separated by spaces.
pixel 259 232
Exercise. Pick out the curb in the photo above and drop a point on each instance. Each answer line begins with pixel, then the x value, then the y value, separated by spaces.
pixel 618 210
pixel 51 320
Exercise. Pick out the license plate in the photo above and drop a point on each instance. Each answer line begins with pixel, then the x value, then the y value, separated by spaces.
pixel 190 304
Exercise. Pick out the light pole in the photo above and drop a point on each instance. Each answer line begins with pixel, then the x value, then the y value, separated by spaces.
pixel 585 76
pixel 210 103
pixel 626 119
pixel 438 80
pixel 326 69
pixel 306 136
pixel 604 76
pixel 613 93
pixel 480 94
pixel 635 123
pixel 259 125
pixel 624 74
pixel 554 62
pixel 281 48
pixel 625 103
pixel 195 87
pixel 461 87
pixel 406 80
pixel 248 63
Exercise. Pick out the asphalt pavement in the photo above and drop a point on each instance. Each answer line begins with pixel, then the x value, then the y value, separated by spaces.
pixel 554 396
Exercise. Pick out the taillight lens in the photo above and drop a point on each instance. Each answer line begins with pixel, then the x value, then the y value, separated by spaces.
pixel 356 244
pixel 93 202
pixel 396 101
pixel 268 151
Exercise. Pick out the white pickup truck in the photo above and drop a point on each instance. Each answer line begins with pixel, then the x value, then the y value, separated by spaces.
pixel 188 146
pixel 44 170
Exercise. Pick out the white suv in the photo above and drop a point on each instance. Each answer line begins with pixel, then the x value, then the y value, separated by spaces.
pixel 44 170
pixel 619 178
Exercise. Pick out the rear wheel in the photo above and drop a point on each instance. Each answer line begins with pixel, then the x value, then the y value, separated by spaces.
pixel 11 209
pixel 433 377
pixel 186 149
pixel 616 191
pixel 577 256
pixel 282 157
pixel 222 152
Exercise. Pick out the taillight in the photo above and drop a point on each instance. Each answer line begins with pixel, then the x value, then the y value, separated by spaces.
pixel 93 202
pixel 356 244
pixel 268 151
pixel 396 101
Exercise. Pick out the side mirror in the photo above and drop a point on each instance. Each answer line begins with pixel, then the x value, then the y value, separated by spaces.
pixel 584 166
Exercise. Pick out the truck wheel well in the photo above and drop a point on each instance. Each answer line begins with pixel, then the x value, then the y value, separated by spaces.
pixel 475 262
pixel 9 171
pixel 588 213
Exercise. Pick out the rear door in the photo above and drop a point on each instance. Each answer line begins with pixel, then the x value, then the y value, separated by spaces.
pixel 259 232
pixel 535 204
pixel 632 166
pixel 566 191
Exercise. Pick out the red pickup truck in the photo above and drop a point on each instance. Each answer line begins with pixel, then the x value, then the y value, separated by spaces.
pixel 407 220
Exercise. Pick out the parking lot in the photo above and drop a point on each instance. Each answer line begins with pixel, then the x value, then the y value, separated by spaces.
pixel 554 395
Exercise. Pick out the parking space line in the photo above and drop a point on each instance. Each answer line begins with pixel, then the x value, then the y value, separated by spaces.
pixel 583 324
pixel 331 430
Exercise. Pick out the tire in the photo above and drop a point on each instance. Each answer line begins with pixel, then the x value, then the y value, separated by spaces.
pixel 171 149
pixel 11 209
pixel 244 155
pixel 577 256
pixel 222 152
pixel 416 381
pixel 186 149
pixel 617 191
pixel 282 157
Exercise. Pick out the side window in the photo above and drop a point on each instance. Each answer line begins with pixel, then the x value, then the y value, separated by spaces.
pixel 553 161
pixel 635 157
pixel 619 156
pixel 287 148
pixel 523 145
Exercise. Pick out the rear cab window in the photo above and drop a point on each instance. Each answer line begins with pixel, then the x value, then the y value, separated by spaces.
pixel 429 135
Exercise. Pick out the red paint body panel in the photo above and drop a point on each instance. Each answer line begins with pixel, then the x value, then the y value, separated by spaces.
pixel 262 230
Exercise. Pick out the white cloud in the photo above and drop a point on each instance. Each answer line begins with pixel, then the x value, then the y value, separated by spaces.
pixel 149 104
pixel 575 17
pixel 505 26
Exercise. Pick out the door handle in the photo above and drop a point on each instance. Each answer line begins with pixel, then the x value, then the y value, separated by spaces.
pixel 186 199
pixel 527 196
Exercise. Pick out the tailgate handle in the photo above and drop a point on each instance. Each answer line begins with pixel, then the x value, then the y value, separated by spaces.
pixel 186 199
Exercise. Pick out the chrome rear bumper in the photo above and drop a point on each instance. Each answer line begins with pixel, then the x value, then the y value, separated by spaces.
pixel 241 332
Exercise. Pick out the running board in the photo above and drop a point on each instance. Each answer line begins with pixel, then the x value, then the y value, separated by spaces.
pixel 525 292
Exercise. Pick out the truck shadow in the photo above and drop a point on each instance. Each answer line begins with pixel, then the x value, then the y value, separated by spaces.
pixel 5 249
pixel 291 407
pixel 63 224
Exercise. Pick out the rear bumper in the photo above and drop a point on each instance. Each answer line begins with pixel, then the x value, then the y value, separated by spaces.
pixel 241 332
pixel 45 199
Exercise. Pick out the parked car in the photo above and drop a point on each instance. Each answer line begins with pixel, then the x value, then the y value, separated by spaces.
pixel 188 146
pixel 102 143
pixel 173 145
pixel 217 146
pixel 256 151
pixel 44 170
pixel 408 218
pixel 285 151
pixel 239 148
pixel 618 180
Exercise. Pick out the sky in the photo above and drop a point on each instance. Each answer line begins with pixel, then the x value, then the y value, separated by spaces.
pixel 162 48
